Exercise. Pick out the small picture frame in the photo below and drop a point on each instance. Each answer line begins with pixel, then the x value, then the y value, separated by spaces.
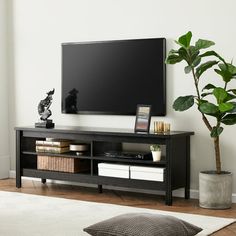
pixel 143 117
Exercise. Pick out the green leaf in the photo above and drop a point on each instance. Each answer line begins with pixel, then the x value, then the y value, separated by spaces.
pixel 223 66
pixel 187 69
pixel 224 72
pixel 173 59
pixel 226 76
pixel 220 94
pixel 201 44
pixel 193 53
pixel 196 62
pixel 229 119
pixel 201 101
pixel 232 69
pixel 229 97
pixel 216 131
pixel 183 103
pixel 205 66
pixel 185 39
pixel 225 107
pixel 212 53
pixel 172 51
pixel 209 86
pixel 232 90
pixel 205 94
pixel 184 54
pixel 208 108
pixel 234 108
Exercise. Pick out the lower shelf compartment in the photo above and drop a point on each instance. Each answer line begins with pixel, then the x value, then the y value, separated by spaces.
pixel 94 179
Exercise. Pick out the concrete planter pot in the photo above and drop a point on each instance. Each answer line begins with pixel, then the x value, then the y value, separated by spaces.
pixel 215 190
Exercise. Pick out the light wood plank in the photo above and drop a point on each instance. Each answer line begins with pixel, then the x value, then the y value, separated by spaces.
pixel 121 198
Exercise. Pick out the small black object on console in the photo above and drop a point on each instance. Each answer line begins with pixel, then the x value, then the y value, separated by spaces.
pixel 45 112
pixel 129 155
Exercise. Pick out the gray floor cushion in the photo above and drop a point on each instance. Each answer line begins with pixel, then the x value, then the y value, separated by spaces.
pixel 142 224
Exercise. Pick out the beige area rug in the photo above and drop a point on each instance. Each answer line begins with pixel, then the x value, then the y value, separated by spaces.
pixel 31 215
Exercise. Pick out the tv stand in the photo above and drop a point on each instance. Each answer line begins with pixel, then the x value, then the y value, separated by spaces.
pixel 176 162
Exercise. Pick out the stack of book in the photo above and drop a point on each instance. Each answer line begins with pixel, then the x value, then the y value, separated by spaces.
pixel 52 146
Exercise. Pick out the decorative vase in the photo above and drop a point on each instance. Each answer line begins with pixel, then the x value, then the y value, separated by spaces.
pixel 156 155
pixel 215 190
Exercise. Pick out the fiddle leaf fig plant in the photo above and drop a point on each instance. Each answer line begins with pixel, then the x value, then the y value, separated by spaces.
pixel 217 101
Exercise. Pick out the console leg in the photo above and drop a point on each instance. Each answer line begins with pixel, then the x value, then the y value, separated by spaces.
pixel 43 181
pixel 99 188
pixel 18 181
pixel 187 178
pixel 187 193
pixel 169 198
pixel 18 158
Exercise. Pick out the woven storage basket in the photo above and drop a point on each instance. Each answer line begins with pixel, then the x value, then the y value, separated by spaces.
pixel 63 164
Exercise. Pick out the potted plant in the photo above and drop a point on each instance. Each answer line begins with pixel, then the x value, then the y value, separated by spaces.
pixel 156 152
pixel 215 187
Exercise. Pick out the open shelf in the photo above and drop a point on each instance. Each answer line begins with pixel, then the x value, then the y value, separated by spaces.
pixel 57 175
pixel 128 160
pixel 93 179
pixel 67 154
pixel 98 158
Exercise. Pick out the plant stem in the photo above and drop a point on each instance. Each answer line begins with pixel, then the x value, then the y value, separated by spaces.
pixel 217 154
pixel 196 83
pixel 225 85
pixel 205 120
pixel 208 125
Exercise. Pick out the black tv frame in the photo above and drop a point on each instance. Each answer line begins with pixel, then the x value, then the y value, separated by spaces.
pixel 118 113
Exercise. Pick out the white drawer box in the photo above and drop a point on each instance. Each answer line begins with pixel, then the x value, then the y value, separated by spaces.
pixel 113 170
pixel 147 173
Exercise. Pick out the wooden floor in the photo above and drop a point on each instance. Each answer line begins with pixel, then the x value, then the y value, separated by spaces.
pixel 121 198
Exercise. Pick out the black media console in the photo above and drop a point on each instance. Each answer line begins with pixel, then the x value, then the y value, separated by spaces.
pixel 176 162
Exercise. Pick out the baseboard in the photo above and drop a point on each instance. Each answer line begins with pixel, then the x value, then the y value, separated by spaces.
pixel 234 197
pixel 4 167
pixel 194 194
pixel 12 174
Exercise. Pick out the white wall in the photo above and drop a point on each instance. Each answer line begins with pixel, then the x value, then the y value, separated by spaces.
pixel 40 26
pixel 4 134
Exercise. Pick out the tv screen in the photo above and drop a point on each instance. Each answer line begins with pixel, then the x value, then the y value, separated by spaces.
pixel 113 77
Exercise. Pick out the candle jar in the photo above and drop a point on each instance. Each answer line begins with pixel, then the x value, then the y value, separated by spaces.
pixel 166 127
pixel 158 126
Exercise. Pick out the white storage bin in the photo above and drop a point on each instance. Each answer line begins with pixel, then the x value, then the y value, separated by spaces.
pixel 113 170
pixel 147 173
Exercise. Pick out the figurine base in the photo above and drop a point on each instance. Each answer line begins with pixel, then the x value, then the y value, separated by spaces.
pixel 48 124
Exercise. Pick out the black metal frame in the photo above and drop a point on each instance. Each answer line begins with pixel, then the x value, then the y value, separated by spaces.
pixel 176 162
pixel 148 118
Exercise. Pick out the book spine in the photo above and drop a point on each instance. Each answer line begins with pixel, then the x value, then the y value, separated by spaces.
pixel 39 142
pixel 53 163
pixel 64 165
pixel 52 143
pixel 39 162
pixel 40 149
pixel 52 149
pixel 71 164
pixel 56 163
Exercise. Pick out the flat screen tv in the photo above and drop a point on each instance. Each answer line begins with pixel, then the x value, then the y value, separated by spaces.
pixel 113 77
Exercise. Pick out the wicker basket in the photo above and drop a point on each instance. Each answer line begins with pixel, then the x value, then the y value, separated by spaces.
pixel 63 164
